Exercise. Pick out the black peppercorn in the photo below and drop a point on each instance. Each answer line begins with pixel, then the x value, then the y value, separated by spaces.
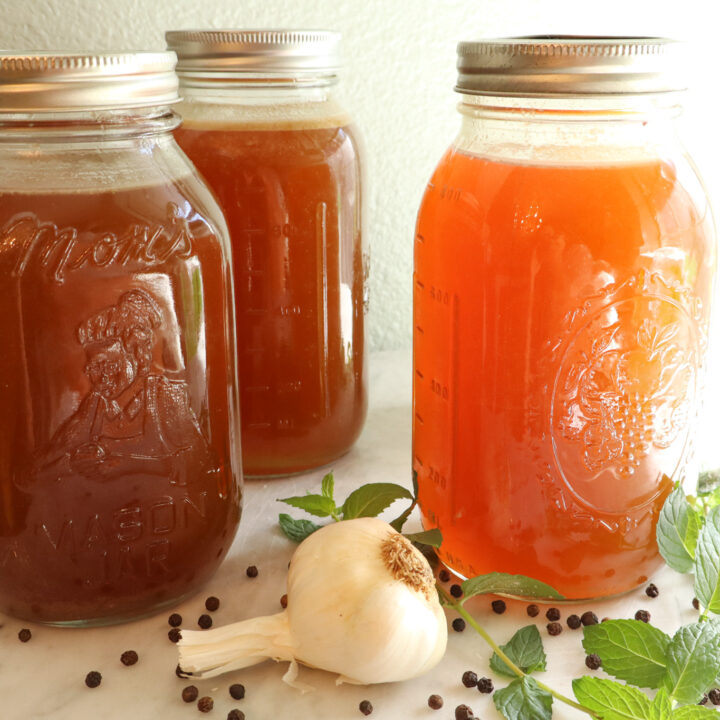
pixel 205 704
pixel 236 715
pixel 174 635
pixel 366 707
pixel 443 576
pixel 458 624
pixel 456 591
pixel 704 700
pixel 643 616
pixel 469 679
pixel 175 620
pixel 435 702
pixel 593 661
pixel 498 606
pixel 252 572
pixel 696 603
pixel 552 614
pixel 714 696
pixel 181 673
pixel 554 628
pixel 237 691
pixel 24 635
pixel 463 712
pixel 129 657
pixel 283 601
pixel 589 618
pixel 533 610
pixel 93 679
pixel 190 693
pixel 574 622
pixel 205 621
pixel 652 591
pixel 212 604
pixel 485 685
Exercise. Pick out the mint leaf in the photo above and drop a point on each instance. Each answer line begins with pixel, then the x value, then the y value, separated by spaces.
pixel 525 649
pixel 371 499
pixel 707 563
pixel 661 708
pixel 503 583
pixel 296 530
pixel 692 661
pixel 694 712
pixel 523 699
pixel 328 486
pixel 630 650
pixel 610 699
pixel 677 531
pixel 399 521
pixel 318 505
pixel 433 538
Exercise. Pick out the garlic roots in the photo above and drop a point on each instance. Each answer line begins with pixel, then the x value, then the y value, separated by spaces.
pixel 361 603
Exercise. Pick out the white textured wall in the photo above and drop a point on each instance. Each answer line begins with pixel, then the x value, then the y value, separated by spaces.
pixel 398 80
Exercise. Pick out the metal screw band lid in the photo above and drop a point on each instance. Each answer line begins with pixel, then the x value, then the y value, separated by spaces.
pixel 234 53
pixel 63 82
pixel 547 66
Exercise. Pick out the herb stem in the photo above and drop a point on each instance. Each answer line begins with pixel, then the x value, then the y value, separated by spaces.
pixel 457 605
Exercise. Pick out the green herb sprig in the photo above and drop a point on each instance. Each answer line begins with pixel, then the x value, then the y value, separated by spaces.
pixel 681 668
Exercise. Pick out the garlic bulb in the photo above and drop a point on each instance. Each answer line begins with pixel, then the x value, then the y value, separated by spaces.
pixel 361 603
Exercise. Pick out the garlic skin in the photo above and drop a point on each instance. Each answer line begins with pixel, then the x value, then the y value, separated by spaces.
pixel 361 603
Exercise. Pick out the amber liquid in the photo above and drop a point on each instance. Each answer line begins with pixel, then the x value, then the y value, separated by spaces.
pixel 118 485
pixel 291 198
pixel 560 316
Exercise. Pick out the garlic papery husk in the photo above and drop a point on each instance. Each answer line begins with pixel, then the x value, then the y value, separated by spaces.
pixel 361 603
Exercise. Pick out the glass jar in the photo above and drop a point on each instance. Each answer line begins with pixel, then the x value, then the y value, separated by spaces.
pixel 564 263
pixel 119 433
pixel 263 127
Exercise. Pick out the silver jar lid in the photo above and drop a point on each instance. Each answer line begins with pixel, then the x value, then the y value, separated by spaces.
pixel 228 54
pixel 64 82
pixel 565 65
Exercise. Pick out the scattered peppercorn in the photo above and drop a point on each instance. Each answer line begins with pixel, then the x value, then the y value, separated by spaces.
pixel 696 603
pixel 252 572
pixel 605 619
pixel 499 606
pixel 435 702
pixel 714 696
pixel 554 628
pixel 366 707
pixel 643 616
pixel 463 712
pixel 704 700
pixel 443 576
pixel 24 635
pixel 589 618
pixel 552 614
pixel 593 661
pixel 485 685
pixel 469 679
pixel 458 624
pixel 190 693
pixel 574 622
pixel 205 621
pixel 456 591
pixel 93 679
pixel 181 673
pixel 205 704
pixel 237 691
pixel 212 604
pixel 283 601
pixel 175 620
pixel 533 610
pixel 174 635
pixel 236 715
pixel 652 591
pixel 129 657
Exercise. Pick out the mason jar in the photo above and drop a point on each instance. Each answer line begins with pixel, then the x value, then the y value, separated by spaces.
pixel 263 125
pixel 564 262
pixel 119 438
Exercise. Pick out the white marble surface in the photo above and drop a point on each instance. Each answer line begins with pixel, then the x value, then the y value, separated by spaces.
pixel 44 678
